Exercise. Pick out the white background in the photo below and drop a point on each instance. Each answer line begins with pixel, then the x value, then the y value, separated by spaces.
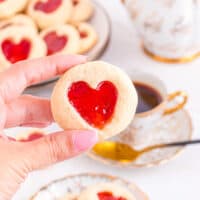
pixel 180 178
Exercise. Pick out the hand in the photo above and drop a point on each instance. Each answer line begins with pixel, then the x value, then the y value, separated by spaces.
pixel 18 159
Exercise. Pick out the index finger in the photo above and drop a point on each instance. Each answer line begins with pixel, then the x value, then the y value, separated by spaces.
pixel 25 73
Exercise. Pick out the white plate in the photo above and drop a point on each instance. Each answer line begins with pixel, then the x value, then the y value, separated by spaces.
pixel 75 184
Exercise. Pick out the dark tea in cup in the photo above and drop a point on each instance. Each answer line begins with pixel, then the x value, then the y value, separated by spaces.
pixel 148 97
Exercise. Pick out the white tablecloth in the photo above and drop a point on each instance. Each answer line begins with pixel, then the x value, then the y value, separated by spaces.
pixel 177 180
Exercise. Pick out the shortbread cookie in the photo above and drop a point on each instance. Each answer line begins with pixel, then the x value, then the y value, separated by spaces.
pixel 82 10
pixel 26 44
pixel 61 39
pixel 30 135
pixel 105 191
pixel 50 12
pixel 21 20
pixel 9 8
pixel 96 96
pixel 88 37
pixel 69 197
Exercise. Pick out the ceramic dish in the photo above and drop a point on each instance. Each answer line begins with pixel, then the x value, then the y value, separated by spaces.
pixel 75 184
pixel 175 127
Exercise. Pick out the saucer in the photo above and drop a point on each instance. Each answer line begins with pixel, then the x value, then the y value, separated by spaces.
pixel 170 128
pixel 73 185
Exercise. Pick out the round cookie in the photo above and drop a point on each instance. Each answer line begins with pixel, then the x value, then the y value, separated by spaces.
pixel 61 39
pixel 69 197
pixel 47 13
pixel 94 96
pixel 88 37
pixel 30 135
pixel 82 10
pixel 21 20
pixel 104 191
pixel 8 8
pixel 26 44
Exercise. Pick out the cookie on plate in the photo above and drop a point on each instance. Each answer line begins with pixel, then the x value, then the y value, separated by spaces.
pixel 88 37
pixel 20 19
pixel 48 13
pixel 69 197
pixel 26 44
pixel 105 191
pixel 9 8
pixel 82 10
pixel 61 39
pixel 96 96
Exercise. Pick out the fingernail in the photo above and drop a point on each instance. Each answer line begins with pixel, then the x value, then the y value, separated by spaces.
pixel 84 140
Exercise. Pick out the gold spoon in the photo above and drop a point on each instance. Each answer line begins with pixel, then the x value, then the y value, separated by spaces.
pixel 124 153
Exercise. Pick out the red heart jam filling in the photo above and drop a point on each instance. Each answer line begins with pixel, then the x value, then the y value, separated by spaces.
pixel 54 42
pixel 96 106
pixel 83 34
pixel 16 52
pixel 48 6
pixel 108 196
pixel 33 136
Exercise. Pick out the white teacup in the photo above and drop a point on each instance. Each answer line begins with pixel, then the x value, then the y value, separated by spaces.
pixel 144 121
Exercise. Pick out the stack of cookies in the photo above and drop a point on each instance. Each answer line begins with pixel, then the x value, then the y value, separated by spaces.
pixel 36 28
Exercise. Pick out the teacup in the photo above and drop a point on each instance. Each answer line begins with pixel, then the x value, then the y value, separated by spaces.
pixel 168 104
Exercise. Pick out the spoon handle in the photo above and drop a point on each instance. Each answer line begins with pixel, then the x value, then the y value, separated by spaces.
pixel 183 143
pixel 171 144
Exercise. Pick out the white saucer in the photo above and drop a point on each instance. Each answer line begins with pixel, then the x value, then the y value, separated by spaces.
pixel 175 127
pixel 75 184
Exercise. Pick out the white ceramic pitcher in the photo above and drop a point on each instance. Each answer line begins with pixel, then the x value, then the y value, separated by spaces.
pixel 169 29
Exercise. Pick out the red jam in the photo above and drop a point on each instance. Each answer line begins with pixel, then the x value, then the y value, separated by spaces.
pixel 33 136
pixel 54 42
pixel 108 196
pixel 2 1
pixel 96 106
pixel 75 2
pixel 16 52
pixel 48 6
pixel 83 35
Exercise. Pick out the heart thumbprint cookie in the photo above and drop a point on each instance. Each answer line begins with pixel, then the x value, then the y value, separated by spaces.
pixel 88 37
pixel 61 39
pixel 30 136
pixel 96 96
pixel 106 191
pixel 50 12
pixel 26 44
pixel 20 20
pixel 9 8
pixel 82 10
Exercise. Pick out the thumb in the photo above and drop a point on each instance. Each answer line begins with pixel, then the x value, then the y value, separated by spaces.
pixel 57 147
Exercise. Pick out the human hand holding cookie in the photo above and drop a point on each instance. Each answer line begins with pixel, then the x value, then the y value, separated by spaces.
pixel 31 152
